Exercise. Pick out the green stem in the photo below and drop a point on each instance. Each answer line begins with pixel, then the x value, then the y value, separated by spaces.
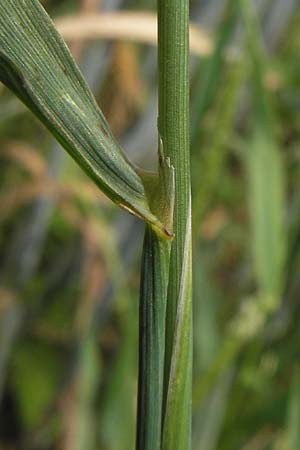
pixel 173 125
pixel 165 369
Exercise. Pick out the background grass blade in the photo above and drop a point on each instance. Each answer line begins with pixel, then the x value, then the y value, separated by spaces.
pixel 211 159
pixel 266 206
pixel 293 413
pixel 209 419
pixel 265 175
pixel 210 71
pixel 37 66
pixel 80 418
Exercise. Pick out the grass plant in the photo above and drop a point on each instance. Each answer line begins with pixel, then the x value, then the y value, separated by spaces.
pixel 95 325
pixel 37 66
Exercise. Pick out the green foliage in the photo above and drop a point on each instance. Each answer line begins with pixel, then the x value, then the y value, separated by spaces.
pixel 266 179
pixel 293 413
pixel 69 330
pixel 39 366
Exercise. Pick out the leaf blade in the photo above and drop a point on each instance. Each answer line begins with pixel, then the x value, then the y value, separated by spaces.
pixel 37 66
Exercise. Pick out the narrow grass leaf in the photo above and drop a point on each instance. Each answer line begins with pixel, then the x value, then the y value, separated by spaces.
pixel 37 66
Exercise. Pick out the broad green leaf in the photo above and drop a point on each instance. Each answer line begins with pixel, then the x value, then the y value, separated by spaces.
pixel 37 66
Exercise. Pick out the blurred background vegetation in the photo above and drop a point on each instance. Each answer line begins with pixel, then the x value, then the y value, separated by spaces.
pixel 69 259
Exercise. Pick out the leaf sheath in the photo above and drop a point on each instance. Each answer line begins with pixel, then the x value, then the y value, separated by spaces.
pixel 154 283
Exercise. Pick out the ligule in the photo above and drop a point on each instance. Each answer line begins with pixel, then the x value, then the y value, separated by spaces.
pixel 160 191
pixel 37 66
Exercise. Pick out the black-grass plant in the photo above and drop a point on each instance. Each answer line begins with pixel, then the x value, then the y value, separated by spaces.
pixel 37 66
